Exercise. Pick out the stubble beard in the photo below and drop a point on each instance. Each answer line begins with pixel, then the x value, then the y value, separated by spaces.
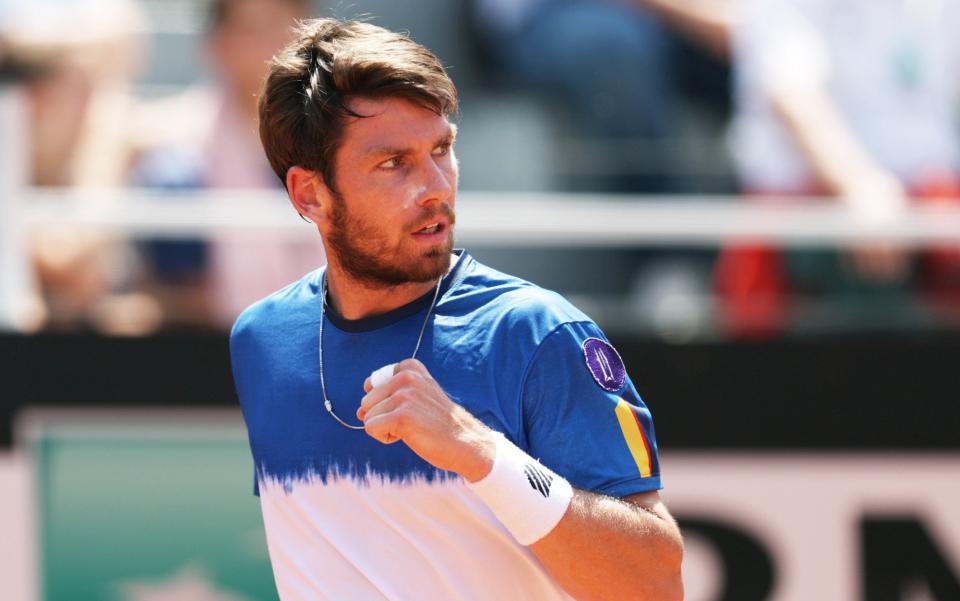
pixel 350 241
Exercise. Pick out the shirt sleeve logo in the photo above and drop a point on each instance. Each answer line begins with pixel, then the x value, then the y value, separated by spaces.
pixel 605 364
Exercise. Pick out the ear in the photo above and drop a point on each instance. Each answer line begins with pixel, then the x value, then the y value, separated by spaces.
pixel 309 195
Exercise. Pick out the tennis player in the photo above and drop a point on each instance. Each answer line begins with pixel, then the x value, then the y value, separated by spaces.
pixel 424 427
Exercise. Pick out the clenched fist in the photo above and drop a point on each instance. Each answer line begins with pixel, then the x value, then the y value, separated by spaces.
pixel 411 406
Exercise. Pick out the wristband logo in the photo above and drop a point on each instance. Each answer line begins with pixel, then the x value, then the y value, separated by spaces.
pixel 538 479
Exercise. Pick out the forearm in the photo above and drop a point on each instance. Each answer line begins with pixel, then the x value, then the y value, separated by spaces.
pixel 706 21
pixel 596 547
pixel 821 133
pixel 606 548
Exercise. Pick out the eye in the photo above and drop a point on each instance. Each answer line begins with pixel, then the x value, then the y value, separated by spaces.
pixel 443 149
pixel 391 163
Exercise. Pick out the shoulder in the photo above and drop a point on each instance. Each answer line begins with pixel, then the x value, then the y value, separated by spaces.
pixel 514 307
pixel 539 312
pixel 275 316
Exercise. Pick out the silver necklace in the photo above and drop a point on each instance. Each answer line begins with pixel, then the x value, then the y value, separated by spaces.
pixel 323 387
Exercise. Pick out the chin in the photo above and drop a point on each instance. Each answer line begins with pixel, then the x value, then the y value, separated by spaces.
pixel 436 263
pixel 405 266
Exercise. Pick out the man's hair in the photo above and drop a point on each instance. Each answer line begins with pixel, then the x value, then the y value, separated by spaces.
pixel 303 107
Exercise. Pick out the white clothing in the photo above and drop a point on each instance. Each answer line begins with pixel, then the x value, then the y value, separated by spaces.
pixel 891 66
pixel 450 528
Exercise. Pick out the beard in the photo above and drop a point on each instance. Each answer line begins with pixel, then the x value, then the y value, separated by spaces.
pixel 361 250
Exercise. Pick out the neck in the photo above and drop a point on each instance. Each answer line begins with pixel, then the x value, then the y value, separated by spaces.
pixel 354 299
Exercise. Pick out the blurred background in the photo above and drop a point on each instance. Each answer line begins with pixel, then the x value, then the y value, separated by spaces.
pixel 758 200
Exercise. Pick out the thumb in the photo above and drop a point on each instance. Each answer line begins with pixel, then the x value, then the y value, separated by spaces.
pixel 379 376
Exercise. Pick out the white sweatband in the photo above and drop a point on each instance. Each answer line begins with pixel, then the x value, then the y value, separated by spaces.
pixel 382 375
pixel 527 497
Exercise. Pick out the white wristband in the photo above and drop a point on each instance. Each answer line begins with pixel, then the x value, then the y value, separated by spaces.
pixel 527 497
pixel 382 375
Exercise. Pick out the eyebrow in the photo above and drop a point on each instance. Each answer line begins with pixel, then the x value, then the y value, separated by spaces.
pixel 446 138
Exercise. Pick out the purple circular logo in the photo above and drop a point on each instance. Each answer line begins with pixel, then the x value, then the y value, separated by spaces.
pixel 605 364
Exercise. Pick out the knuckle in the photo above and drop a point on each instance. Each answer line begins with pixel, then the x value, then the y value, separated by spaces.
pixel 411 365
pixel 406 377
pixel 380 428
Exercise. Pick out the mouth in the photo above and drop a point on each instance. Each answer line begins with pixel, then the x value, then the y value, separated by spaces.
pixel 434 226
pixel 431 230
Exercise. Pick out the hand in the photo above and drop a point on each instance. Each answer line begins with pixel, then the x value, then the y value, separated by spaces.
pixel 877 197
pixel 413 408
pixel 880 262
pixel 879 200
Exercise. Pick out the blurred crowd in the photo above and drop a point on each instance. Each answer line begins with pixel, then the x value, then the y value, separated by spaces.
pixel 852 100
pixel 89 129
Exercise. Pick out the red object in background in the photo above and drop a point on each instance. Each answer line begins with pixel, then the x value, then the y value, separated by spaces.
pixel 940 265
pixel 752 286
pixel 751 283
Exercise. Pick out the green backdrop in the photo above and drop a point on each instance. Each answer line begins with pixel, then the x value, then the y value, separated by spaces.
pixel 147 507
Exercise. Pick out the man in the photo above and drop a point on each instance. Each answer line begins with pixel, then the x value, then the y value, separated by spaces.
pixel 421 481
pixel 78 61
pixel 214 145
pixel 852 100
pixel 617 67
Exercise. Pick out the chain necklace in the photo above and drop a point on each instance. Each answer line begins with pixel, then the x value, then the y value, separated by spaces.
pixel 323 387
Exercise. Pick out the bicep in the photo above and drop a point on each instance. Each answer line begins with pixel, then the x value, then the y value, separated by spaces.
pixel 649 501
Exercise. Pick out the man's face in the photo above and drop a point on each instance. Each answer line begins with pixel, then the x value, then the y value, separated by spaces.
pixel 392 221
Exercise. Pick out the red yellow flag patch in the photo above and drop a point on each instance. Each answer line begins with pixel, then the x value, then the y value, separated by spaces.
pixel 633 434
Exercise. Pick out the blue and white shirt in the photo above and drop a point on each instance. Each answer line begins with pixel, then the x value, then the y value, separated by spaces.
pixel 350 518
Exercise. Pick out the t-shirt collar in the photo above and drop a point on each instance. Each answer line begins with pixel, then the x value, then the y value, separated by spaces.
pixel 374 322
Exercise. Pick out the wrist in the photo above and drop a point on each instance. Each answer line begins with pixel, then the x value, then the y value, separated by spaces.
pixel 527 497
pixel 479 455
pixel 876 195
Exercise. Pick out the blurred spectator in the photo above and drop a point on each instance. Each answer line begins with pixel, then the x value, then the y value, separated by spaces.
pixel 207 138
pixel 611 64
pixel 853 99
pixel 76 61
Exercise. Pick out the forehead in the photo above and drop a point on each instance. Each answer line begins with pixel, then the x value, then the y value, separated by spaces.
pixel 391 123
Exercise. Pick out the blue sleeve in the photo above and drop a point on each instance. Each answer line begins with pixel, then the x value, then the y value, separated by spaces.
pixel 239 334
pixel 583 417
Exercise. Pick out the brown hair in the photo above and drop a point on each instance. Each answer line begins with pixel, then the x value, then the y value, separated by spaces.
pixel 303 104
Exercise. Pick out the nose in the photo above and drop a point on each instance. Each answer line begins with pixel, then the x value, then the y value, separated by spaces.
pixel 439 182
